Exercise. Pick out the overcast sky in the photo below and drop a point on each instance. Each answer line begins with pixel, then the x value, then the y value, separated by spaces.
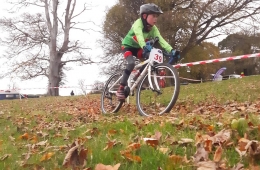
pixel 87 72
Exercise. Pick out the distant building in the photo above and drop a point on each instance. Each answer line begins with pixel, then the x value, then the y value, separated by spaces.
pixel 5 95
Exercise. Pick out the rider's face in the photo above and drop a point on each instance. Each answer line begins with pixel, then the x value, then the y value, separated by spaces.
pixel 152 19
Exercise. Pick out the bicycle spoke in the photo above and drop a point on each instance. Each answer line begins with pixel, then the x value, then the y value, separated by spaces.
pixel 109 102
pixel 158 101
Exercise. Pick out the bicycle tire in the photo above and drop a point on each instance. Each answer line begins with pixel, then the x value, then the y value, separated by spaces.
pixel 149 108
pixel 109 102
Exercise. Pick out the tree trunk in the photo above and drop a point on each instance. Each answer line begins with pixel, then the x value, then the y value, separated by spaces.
pixel 54 74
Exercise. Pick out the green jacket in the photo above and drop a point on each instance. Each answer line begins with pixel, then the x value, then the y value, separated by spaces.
pixel 135 38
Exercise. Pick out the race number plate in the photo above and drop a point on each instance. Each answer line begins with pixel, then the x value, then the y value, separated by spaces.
pixel 156 55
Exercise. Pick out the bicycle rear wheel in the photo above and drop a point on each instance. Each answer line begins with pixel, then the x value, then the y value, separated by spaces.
pixel 109 102
pixel 150 102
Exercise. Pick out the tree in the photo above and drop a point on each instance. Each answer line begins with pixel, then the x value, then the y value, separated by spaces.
pixel 184 24
pixel 97 87
pixel 204 51
pixel 82 86
pixel 38 43
pixel 239 44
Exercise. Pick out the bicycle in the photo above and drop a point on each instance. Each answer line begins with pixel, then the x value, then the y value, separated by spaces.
pixel 151 98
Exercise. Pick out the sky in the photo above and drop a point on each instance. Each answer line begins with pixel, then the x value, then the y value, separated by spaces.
pixel 89 73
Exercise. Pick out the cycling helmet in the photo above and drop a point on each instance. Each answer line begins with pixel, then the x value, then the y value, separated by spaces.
pixel 150 8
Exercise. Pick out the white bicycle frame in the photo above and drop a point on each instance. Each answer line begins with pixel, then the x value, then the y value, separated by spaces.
pixel 156 55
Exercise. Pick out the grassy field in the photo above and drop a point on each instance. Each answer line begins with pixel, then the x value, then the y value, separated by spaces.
pixel 71 133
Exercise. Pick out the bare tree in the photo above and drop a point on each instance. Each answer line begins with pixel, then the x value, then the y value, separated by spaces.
pixel 82 86
pixel 38 43
pixel 13 85
pixel 98 86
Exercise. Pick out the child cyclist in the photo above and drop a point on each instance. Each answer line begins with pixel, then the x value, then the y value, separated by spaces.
pixel 134 43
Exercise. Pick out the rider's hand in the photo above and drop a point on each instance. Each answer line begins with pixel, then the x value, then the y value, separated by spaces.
pixel 147 48
pixel 175 56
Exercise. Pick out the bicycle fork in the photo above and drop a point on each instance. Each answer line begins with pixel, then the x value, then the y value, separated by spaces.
pixel 154 70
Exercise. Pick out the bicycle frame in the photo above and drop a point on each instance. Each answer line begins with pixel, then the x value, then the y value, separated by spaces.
pixel 148 68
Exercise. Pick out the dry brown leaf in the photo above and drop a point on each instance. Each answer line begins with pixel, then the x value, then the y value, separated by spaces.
pixel 254 167
pixel 25 136
pixel 208 145
pixel 132 157
pixel 42 143
pixel 222 136
pixel 239 166
pixel 75 158
pixel 198 138
pixel 185 141
pixel 107 167
pixel 69 156
pixel 110 144
pixel 254 148
pixel 206 165
pixel 152 142
pixel 157 135
pixel 12 138
pixel 5 157
pixel 82 157
pixel 201 154
pixel 112 132
pixel 164 150
pixel 210 127
pixel 134 146
pixel 218 154
pixel 242 108
pixel 242 143
pixel 46 156
pixel 176 159
pixel 34 139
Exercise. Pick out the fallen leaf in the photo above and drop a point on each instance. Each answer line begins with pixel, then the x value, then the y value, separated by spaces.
pixel 12 138
pixel 134 146
pixel 208 145
pixel 42 143
pixel 201 154
pixel 239 166
pixel 157 135
pixel 5 157
pixel 206 165
pixel 218 154
pixel 152 142
pixel 34 139
pixel 132 157
pixel 110 144
pixel 222 136
pixel 69 156
pixel 185 141
pixel 46 156
pixel 112 132
pixel 25 136
pixel 176 159
pixel 242 143
pixel 163 150
pixel 107 167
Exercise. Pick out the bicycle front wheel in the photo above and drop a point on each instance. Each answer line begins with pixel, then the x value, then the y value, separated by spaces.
pixel 109 102
pixel 151 102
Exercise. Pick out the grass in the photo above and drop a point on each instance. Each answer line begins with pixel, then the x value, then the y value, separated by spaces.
pixel 204 108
